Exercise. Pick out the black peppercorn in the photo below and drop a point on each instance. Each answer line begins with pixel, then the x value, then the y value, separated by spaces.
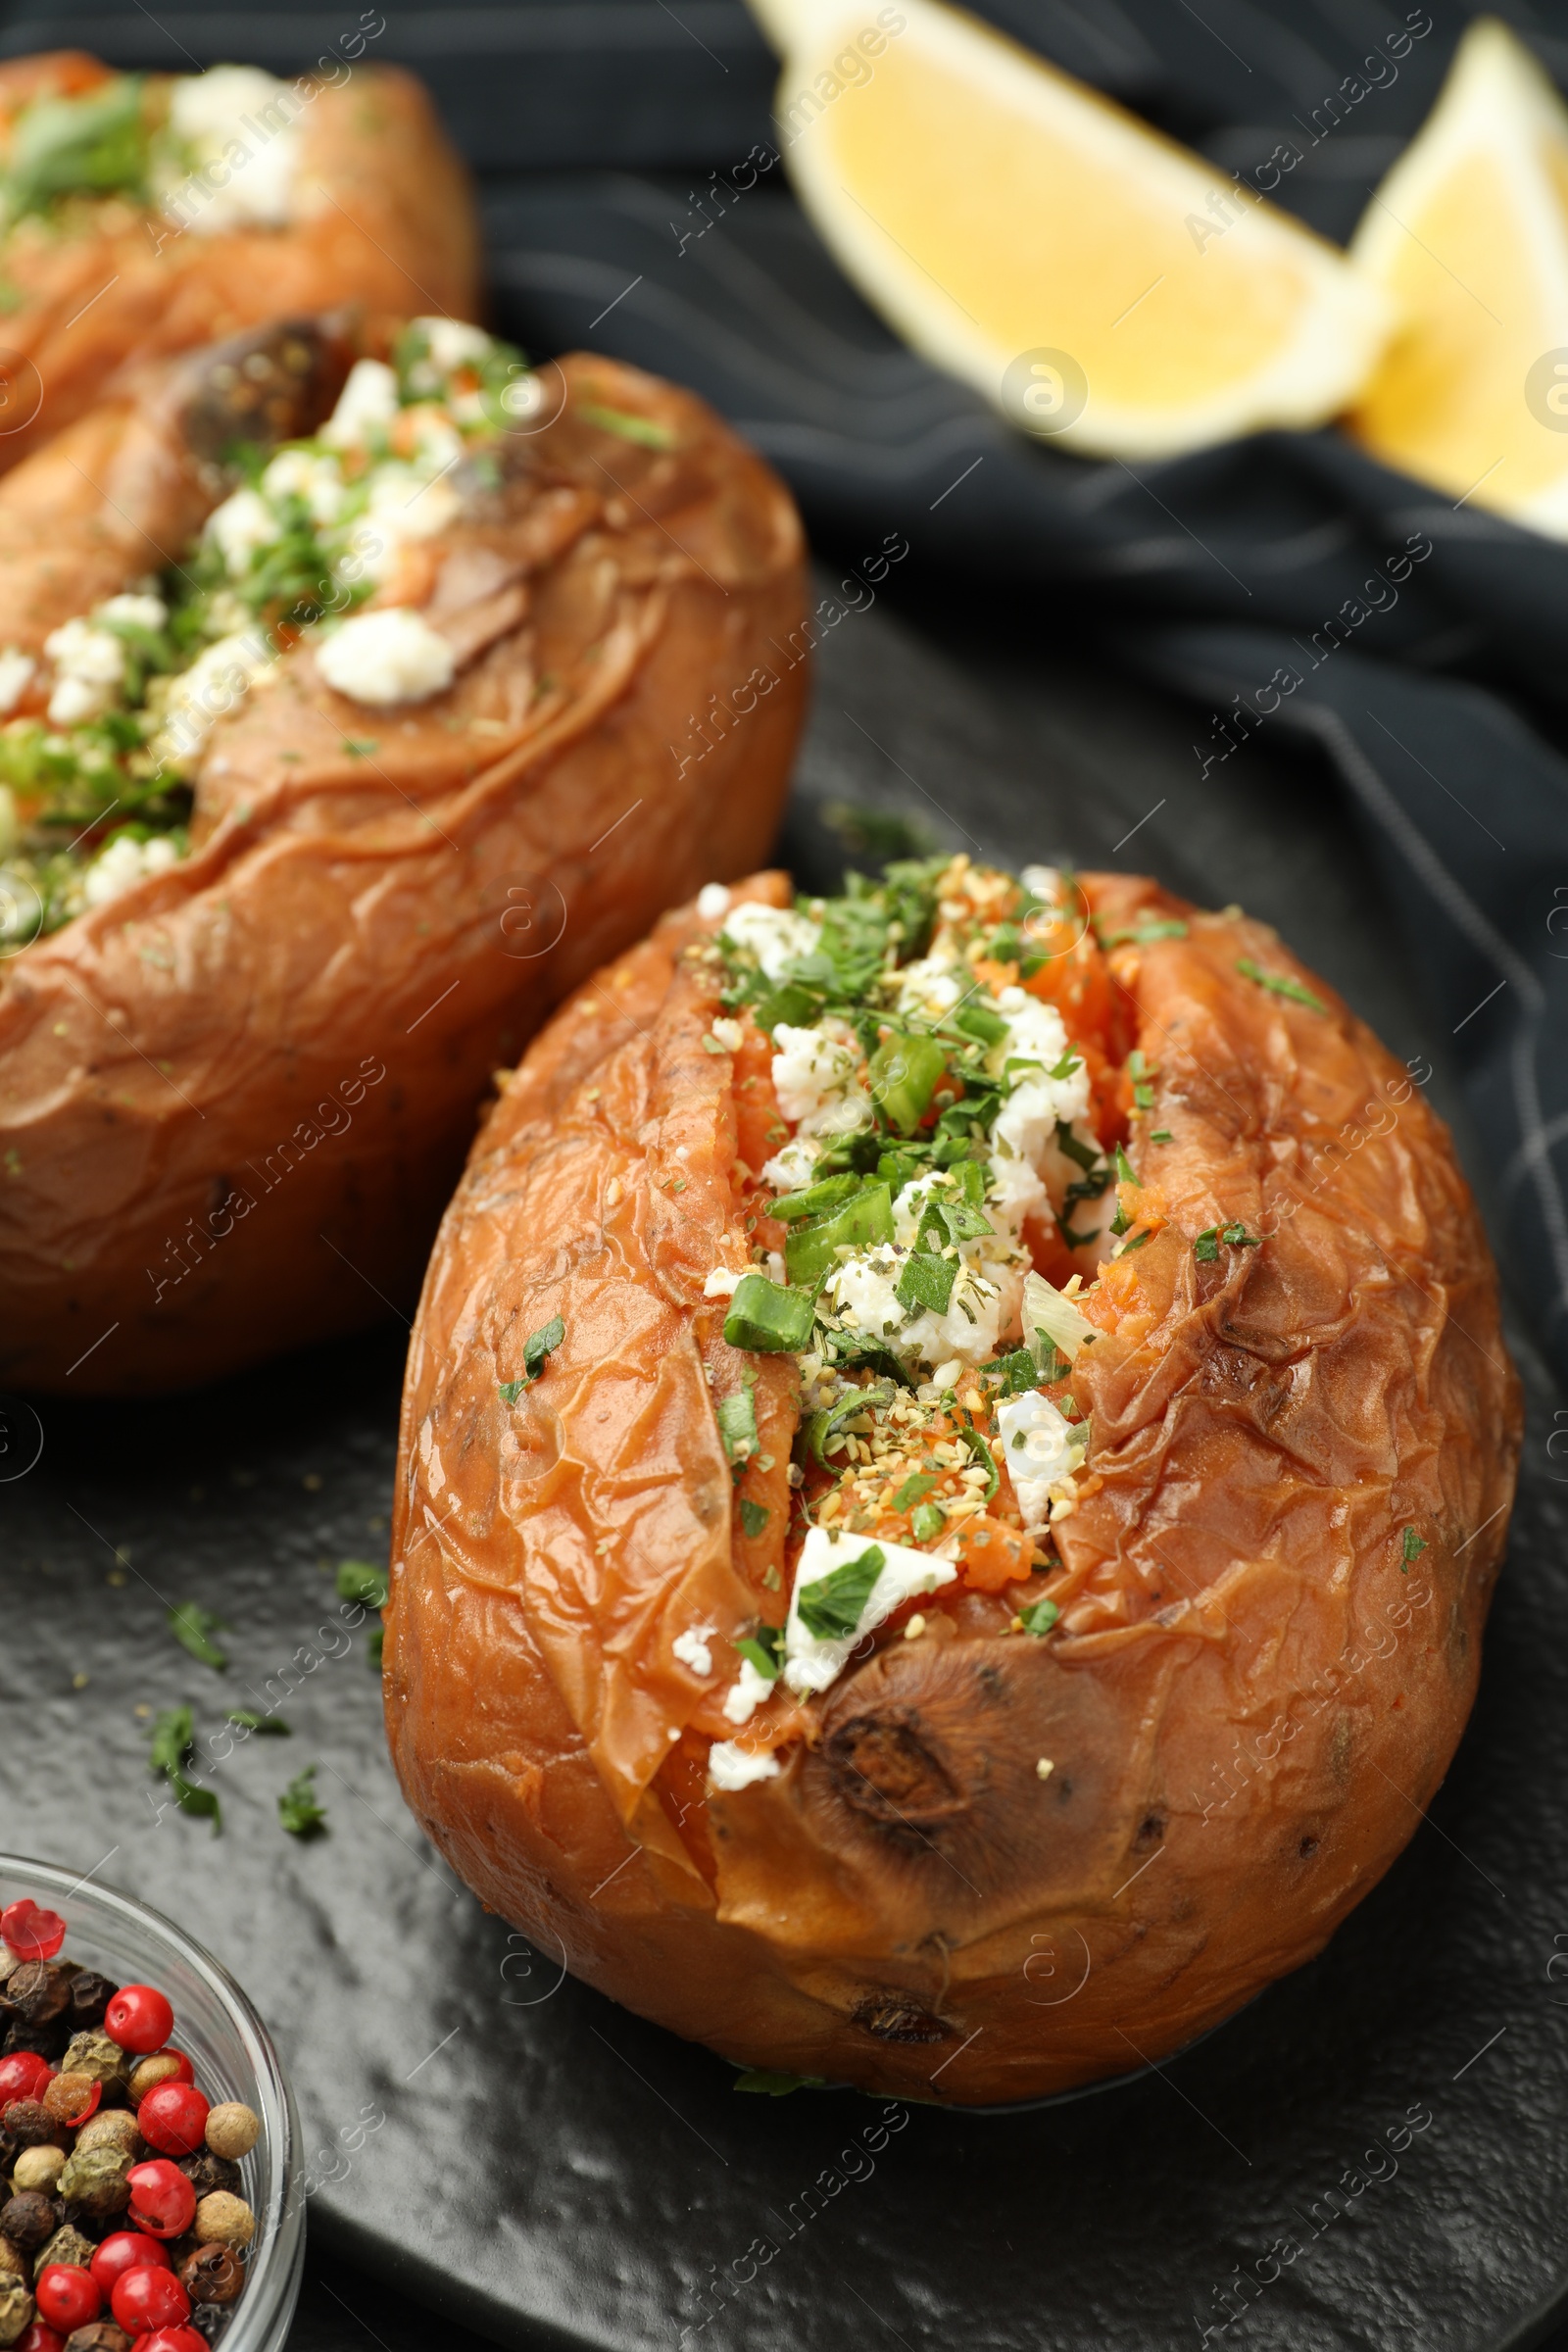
pixel 212 2275
pixel 26 2123
pixel 46 2041
pixel 39 1992
pixel 90 1996
pixel 211 2319
pixel 27 2220
pixel 207 2172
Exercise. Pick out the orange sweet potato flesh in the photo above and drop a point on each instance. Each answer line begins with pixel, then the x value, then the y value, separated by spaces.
pixel 233 1101
pixel 385 220
pixel 1250 1694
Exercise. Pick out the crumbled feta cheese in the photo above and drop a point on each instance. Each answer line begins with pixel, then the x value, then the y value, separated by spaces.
pixel 1041 1447
pixel 729 1034
pixel 366 406
pixel 747 1694
pixel 216 682
pixel 730 1765
pixel 453 344
pixel 309 475
pixel 930 985
pixel 140 611
pixel 812 1661
pixel 722 1283
pixel 127 861
pixel 243 524
pixel 713 900
pixel 776 935
pixel 691 1647
pixel 1043 882
pixel 16 675
pixel 89 670
pixel 238 121
pixel 414 502
pixel 790 1168
pixel 387 657
pixel 815 1077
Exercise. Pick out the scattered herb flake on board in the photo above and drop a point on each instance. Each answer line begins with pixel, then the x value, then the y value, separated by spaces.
pixel 299 1809
pixel 193 1629
pixel 270 1727
pixel 1279 985
pixel 362 1580
pixel 1414 1546
pixel 1038 1618
pixel 832 1607
pixel 172 1741
pixel 754 1516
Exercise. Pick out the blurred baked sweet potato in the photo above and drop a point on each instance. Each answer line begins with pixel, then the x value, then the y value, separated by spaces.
pixel 147 214
pixel 308 826
pixel 1136 1342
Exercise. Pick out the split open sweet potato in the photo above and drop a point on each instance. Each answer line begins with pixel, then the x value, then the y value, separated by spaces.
pixel 1181 1555
pixel 458 658
pixel 143 215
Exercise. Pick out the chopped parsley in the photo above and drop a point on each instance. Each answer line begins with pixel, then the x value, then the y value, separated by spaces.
pixel 267 1727
pixel 1038 1618
pixel 536 1348
pixel 754 1516
pixel 736 1415
pixel 300 1809
pixel 169 1751
pixel 1236 1237
pixel 1412 1546
pixel 193 1629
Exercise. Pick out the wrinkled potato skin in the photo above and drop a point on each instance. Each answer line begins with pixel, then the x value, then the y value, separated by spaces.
pixel 235 1100
pixel 386 220
pixel 1241 1747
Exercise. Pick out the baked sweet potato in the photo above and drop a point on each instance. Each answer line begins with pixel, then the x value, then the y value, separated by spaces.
pixel 1057 1696
pixel 143 215
pixel 308 826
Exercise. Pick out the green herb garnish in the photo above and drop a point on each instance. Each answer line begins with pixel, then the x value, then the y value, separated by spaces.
pixel 928 1521
pixel 765 1651
pixel 171 1746
pixel 269 1727
pixel 1412 1546
pixel 736 1415
pixel 1279 985
pixel 1038 1618
pixel 299 1809
pixel 754 1516
pixel 914 1489
pixel 832 1607
pixel 193 1629
pixel 362 1580
pixel 536 1348
pixel 642 429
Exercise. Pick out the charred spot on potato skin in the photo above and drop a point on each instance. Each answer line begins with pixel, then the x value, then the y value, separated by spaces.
pixel 893 2017
pixel 273 384
pixel 1307 1849
pixel 884 1766
pixel 991 1681
pixel 1150 1830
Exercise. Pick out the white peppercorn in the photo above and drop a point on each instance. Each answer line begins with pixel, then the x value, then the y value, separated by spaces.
pixel 38 2167
pixel 232 2130
pixel 222 2220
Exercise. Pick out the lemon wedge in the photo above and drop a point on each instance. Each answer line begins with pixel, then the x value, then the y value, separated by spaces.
pixel 1093 280
pixel 1469 233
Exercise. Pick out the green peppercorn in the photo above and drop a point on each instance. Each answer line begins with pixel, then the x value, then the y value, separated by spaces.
pixel 15 2310
pixel 67 2245
pixel 94 2178
pixel 93 2053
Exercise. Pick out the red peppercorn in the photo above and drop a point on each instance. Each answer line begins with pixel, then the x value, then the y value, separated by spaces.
pixel 145 2298
pixel 126 2250
pixel 67 2297
pixel 172 2339
pixel 39 2338
pixel 139 2018
pixel 31 1934
pixel 162 2202
pixel 172 2118
pixel 22 2075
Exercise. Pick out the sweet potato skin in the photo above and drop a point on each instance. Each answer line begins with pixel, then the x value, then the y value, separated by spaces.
pixel 386 222
pixel 233 1102
pixel 1251 1691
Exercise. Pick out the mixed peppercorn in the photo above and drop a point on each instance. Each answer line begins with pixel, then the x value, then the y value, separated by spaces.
pixel 125 2223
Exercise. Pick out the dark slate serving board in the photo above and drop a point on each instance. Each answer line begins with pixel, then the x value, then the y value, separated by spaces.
pixel 543 2167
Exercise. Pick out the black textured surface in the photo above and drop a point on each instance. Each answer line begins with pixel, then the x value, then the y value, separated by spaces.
pixel 550 2169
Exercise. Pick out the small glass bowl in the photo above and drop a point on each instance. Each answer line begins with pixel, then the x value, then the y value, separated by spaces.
pixel 231 2052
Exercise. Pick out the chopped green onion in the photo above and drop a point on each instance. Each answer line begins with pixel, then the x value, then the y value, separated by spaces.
pixel 811 1250
pixel 905 1073
pixel 768 1319
pixel 820 1427
pixel 1279 985
pixel 765 1651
